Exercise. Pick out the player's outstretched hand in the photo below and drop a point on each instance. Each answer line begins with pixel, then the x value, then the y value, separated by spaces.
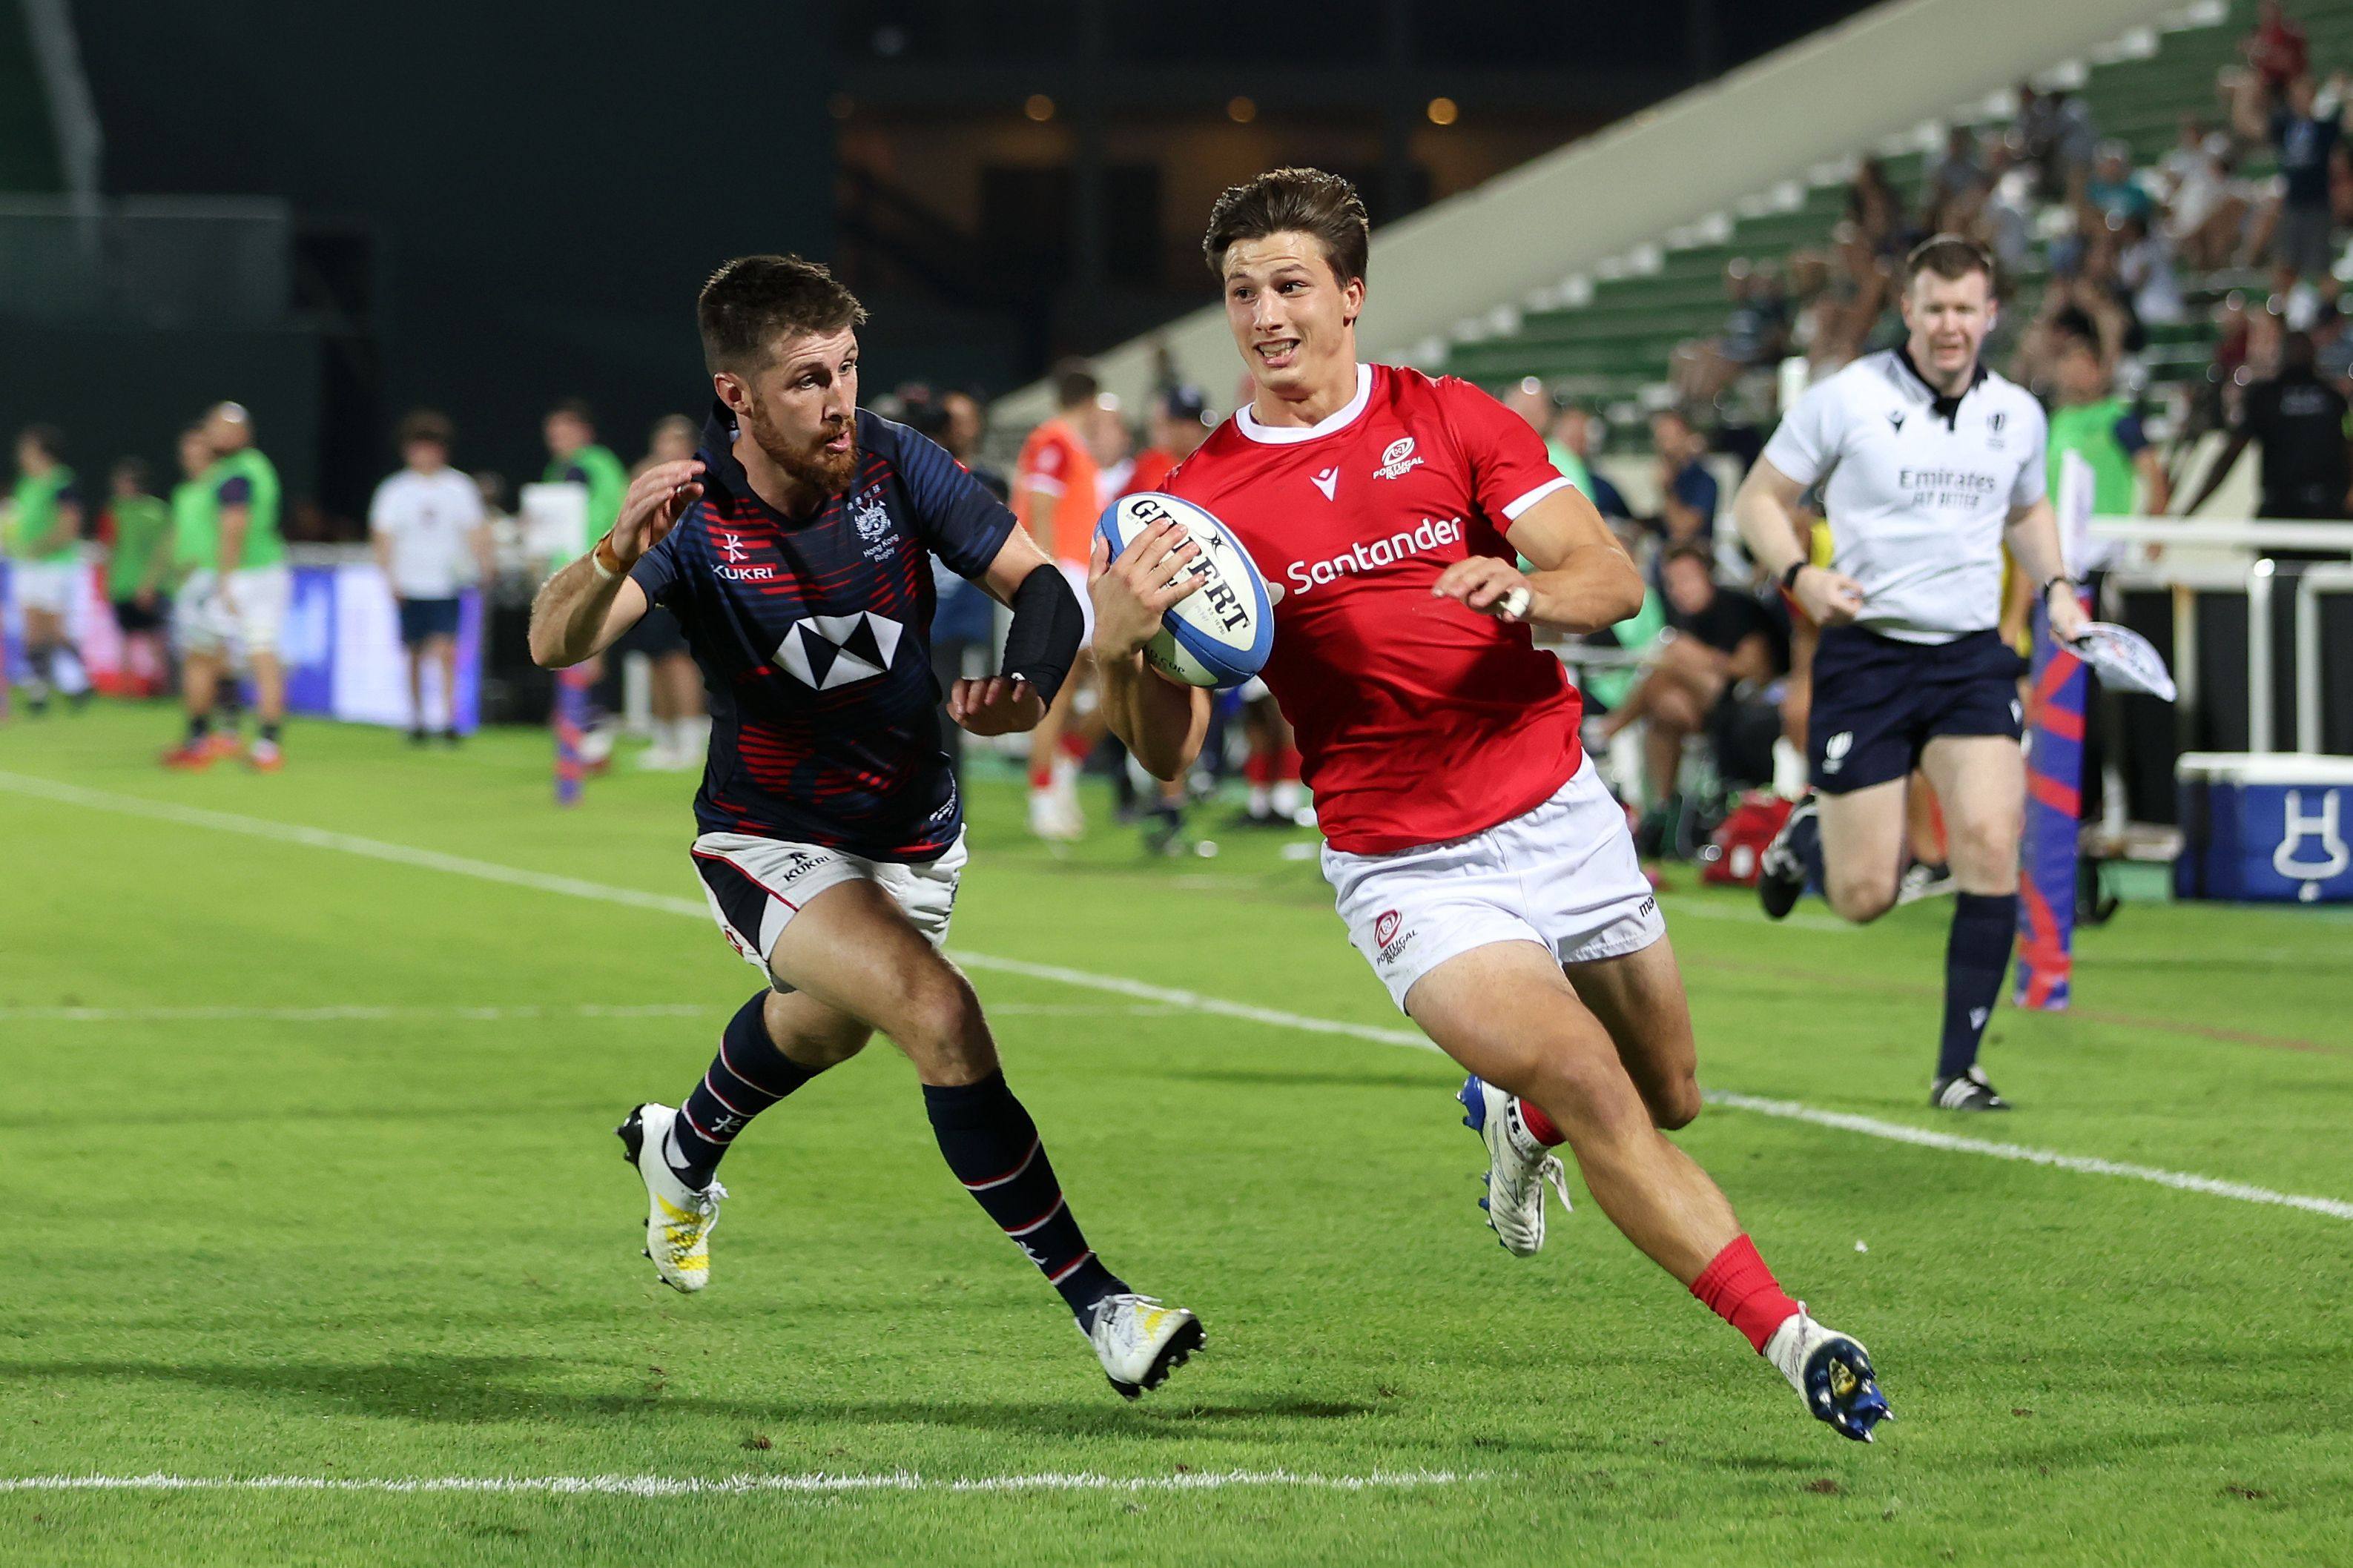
pixel 658 499
pixel 1131 594
pixel 1488 585
pixel 1831 598
pixel 996 705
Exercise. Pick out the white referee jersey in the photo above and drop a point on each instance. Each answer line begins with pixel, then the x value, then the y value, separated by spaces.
pixel 1916 489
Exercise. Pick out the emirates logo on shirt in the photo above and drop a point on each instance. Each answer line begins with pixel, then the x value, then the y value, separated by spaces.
pixel 1398 459
pixel 826 651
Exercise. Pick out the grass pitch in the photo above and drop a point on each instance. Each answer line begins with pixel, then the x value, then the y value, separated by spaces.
pixel 310 1178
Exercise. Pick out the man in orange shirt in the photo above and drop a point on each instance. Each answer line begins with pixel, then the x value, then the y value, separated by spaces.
pixel 1058 493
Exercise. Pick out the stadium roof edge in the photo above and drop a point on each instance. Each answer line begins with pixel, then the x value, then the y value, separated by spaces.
pixel 1801 107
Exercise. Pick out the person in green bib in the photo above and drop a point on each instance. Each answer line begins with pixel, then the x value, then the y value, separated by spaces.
pixel 41 527
pixel 235 511
pixel 575 458
pixel 2090 420
pixel 137 528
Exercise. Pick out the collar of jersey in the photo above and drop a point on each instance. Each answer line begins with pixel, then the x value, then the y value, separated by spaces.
pixel 1948 409
pixel 1287 435
pixel 722 471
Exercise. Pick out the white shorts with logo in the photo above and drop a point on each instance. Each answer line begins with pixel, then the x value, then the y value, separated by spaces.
pixel 755 886
pixel 260 596
pixel 1564 876
pixel 51 586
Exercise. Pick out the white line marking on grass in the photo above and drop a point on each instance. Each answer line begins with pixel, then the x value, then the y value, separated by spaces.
pixel 699 1486
pixel 1140 990
pixel 1897 1133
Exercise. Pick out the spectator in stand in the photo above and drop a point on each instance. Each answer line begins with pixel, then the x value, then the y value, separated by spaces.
pixel 1876 211
pixel 2144 261
pixel 2112 191
pixel 1756 332
pixel 1719 641
pixel 426 523
pixel 2300 421
pixel 2055 134
pixel 2276 50
pixel 1529 400
pixel 1850 307
pixel 1575 437
pixel 137 528
pixel 1959 175
pixel 1688 493
pixel 2304 131
pixel 2206 209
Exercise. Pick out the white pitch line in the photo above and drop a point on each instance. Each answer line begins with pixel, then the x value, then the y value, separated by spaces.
pixel 1868 1127
pixel 698 1485
pixel 1897 1133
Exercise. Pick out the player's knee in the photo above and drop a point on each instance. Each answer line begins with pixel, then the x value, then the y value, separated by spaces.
pixel 1983 843
pixel 1861 898
pixel 1675 1105
pixel 941 1029
pixel 1589 1095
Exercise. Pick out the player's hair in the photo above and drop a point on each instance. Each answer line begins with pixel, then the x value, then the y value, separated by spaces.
pixel 47 438
pixel 575 409
pixel 1688 550
pixel 1075 384
pixel 132 468
pixel 425 425
pixel 754 302
pixel 1289 201
pixel 1951 257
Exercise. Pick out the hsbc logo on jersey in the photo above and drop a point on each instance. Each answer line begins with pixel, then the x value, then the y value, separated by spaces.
pixel 826 651
pixel 1433 534
pixel 1398 459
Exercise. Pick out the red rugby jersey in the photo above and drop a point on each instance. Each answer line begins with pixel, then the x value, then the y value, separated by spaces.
pixel 1418 719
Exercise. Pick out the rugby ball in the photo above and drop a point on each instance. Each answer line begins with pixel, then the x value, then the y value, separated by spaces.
pixel 1220 636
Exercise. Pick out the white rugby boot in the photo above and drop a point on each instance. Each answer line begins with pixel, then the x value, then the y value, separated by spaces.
pixel 1831 1373
pixel 1517 1168
pixel 1140 1342
pixel 679 1218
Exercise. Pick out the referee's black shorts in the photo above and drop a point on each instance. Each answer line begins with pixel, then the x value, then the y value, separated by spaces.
pixel 1878 701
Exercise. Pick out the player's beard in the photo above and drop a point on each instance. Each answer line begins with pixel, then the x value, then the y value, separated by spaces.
pixel 805 461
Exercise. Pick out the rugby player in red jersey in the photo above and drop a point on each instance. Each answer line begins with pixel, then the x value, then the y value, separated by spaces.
pixel 1481 865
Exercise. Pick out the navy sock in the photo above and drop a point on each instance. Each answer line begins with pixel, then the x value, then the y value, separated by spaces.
pixel 747 1076
pixel 1984 924
pixel 994 1151
pixel 1806 843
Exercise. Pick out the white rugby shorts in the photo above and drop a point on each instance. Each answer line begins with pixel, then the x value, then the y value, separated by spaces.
pixel 1564 876
pixel 250 620
pixel 52 587
pixel 755 886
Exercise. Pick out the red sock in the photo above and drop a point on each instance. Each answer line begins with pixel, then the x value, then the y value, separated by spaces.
pixel 1041 777
pixel 1258 769
pixel 1540 1126
pixel 1076 748
pixel 1740 1289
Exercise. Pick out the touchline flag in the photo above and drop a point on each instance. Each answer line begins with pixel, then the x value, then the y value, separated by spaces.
pixel 2055 776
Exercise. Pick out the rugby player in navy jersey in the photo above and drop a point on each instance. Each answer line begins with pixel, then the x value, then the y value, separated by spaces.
pixel 795 549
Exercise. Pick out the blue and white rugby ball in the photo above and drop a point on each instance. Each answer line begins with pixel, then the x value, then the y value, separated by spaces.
pixel 1220 636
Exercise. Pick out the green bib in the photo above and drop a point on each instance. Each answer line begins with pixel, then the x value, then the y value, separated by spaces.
pixel 608 482
pixel 37 514
pixel 195 528
pixel 140 523
pixel 264 545
pixel 2089 430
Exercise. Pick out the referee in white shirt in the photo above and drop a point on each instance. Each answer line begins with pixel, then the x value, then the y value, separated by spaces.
pixel 1928 462
pixel 426 522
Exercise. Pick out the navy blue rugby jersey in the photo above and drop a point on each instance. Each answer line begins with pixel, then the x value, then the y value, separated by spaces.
pixel 812 637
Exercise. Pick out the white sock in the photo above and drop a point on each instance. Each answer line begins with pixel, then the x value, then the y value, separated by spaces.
pixel 1261 799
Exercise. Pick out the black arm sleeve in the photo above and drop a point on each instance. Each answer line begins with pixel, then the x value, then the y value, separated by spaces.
pixel 1043 640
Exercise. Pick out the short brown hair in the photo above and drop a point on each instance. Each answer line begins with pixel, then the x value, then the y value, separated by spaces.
pixel 752 301
pixel 425 425
pixel 1075 384
pixel 1952 257
pixel 1287 201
